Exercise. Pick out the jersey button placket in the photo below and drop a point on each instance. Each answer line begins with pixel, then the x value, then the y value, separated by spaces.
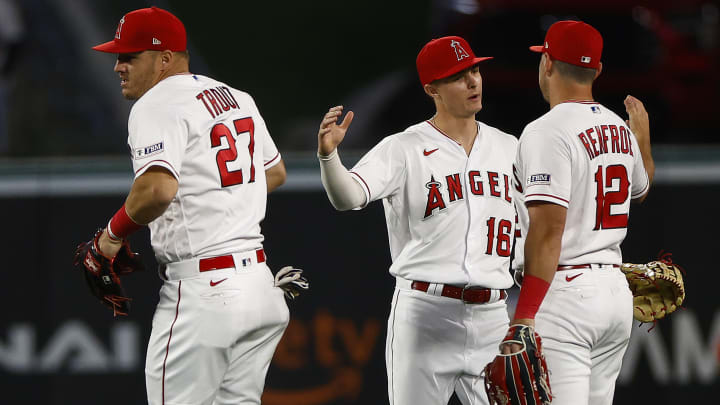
pixel 469 236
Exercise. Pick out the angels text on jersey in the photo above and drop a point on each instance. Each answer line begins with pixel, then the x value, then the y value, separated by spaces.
pixel 497 185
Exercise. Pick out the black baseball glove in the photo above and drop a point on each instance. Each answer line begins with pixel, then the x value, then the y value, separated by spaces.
pixel 101 272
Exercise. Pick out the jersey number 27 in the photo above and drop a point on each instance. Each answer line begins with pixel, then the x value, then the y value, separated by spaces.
pixel 605 200
pixel 230 154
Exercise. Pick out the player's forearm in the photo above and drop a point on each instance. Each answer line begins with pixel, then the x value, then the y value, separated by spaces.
pixel 648 161
pixel 542 252
pixel 343 192
pixel 275 176
pixel 540 267
pixel 150 195
pixel 544 239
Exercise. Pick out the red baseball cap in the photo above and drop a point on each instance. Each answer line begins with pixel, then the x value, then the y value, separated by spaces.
pixel 147 29
pixel 443 57
pixel 573 42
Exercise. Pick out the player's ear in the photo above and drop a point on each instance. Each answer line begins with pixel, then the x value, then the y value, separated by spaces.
pixel 597 72
pixel 166 58
pixel 548 64
pixel 430 90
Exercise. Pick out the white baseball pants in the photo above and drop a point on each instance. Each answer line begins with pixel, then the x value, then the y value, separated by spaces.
pixel 437 345
pixel 212 341
pixel 585 323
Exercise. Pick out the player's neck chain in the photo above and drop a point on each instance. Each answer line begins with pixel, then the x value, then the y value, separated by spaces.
pixel 435 124
pixel 574 100
pixel 459 140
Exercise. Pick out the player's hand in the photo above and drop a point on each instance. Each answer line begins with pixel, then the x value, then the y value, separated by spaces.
pixel 291 281
pixel 510 348
pixel 331 134
pixel 638 120
pixel 108 247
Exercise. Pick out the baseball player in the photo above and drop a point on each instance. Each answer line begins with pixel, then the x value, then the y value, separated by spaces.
pixel 445 184
pixel 577 169
pixel 204 163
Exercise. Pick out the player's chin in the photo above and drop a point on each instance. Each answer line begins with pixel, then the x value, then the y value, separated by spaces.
pixel 128 94
pixel 475 104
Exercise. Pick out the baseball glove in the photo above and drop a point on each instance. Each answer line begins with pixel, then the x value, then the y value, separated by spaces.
pixel 291 281
pixel 101 272
pixel 519 378
pixel 657 288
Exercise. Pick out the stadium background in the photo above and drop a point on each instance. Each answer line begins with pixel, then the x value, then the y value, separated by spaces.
pixel 64 169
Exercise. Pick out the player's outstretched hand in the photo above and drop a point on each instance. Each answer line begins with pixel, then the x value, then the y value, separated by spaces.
pixel 638 120
pixel 331 134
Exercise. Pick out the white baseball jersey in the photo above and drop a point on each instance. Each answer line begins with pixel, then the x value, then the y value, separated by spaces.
pixel 582 156
pixel 212 138
pixel 450 216
pixel 214 330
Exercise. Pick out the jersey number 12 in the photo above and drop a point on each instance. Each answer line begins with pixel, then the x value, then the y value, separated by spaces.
pixel 230 154
pixel 605 200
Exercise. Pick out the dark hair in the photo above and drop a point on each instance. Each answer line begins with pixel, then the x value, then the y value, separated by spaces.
pixel 185 54
pixel 579 74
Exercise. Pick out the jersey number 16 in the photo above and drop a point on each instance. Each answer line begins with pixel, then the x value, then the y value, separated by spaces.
pixel 230 154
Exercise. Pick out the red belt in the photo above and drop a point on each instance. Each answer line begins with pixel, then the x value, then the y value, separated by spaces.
pixel 227 261
pixel 581 266
pixel 471 295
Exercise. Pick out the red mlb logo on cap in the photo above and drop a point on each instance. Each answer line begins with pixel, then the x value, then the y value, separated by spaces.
pixel 147 29
pixel 573 42
pixel 443 57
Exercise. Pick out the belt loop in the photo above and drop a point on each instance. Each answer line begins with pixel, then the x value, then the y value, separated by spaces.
pixel 435 289
pixel 260 255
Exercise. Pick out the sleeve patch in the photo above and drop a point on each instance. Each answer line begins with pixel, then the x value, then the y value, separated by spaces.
pixel 147 151
pixel 539 179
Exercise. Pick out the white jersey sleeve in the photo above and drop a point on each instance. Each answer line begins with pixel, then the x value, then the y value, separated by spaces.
pixel 381 172
pixel 156 137
pixel 271 155
pixel 546 167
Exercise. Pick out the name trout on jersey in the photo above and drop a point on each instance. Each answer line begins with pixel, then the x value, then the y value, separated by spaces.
pixel 454 186
pixel 595 140
pixel 220 99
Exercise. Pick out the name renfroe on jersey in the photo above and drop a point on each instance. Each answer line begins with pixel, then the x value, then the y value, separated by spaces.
pixel 595 140
pixel 455 189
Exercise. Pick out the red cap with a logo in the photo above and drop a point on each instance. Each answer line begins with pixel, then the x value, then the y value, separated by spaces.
pixel 443 57
pixel 573 42
pixel 146 29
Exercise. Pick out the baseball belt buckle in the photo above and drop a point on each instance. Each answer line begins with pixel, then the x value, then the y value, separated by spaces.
pixel 462 294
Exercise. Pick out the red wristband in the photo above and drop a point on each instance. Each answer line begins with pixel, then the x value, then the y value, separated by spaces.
pixel 121 225
pixel 532 293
